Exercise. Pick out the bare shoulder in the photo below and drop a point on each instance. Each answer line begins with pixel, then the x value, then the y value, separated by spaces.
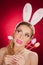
pixel 33 58
pixel 32 53
pixel 3 50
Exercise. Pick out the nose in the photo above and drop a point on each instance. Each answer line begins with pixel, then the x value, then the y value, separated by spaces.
pixel 21 36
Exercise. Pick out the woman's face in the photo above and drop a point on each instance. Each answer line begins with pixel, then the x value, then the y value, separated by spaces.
pixel 22 35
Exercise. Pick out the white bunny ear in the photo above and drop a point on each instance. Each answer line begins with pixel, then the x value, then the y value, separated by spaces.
pixel 27 10
pixel 37 16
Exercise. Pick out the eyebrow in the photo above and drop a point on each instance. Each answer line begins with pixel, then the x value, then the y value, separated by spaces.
pixel 27 33
pixel 22 31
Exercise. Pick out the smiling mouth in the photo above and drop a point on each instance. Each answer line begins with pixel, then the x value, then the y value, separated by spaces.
pixel 19 41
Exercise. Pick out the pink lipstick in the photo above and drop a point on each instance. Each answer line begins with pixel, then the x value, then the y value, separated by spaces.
pixel 19 41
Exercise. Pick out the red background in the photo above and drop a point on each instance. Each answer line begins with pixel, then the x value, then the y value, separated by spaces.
pixel 11 14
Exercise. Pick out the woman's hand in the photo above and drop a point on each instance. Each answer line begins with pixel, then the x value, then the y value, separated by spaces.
pixel 9 60
pixel 14 59
pixel 19 59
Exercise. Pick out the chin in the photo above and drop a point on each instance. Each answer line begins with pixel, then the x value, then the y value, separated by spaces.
pixel 16 44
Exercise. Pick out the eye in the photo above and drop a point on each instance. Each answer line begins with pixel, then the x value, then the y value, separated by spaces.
pixel 26 35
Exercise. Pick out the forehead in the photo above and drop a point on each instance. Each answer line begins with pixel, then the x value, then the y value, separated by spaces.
pixel 24 28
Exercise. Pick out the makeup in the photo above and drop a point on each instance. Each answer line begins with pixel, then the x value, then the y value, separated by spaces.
pixel 19 41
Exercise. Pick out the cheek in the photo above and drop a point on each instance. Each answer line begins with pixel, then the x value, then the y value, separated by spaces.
pixel 27 40
pixel 16 35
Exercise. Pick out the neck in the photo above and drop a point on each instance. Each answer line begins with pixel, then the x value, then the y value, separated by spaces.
pixel 18 49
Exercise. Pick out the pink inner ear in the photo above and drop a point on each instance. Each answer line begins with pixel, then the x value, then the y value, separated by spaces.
pixel 27 11
pixel 37 16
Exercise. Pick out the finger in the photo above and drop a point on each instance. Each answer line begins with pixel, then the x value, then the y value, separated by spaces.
pixel 8 61
pixel 8 55
pixel 18 56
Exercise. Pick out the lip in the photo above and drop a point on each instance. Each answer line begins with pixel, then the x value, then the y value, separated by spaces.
pixel 19 41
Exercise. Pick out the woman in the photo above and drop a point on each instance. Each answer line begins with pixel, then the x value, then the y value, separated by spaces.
pixel 16 53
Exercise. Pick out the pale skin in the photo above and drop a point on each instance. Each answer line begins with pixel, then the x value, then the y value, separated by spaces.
pixel 23 33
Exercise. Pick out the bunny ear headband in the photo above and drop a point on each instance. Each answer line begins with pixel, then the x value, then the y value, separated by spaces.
pixel 37 16
pixel 27 11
